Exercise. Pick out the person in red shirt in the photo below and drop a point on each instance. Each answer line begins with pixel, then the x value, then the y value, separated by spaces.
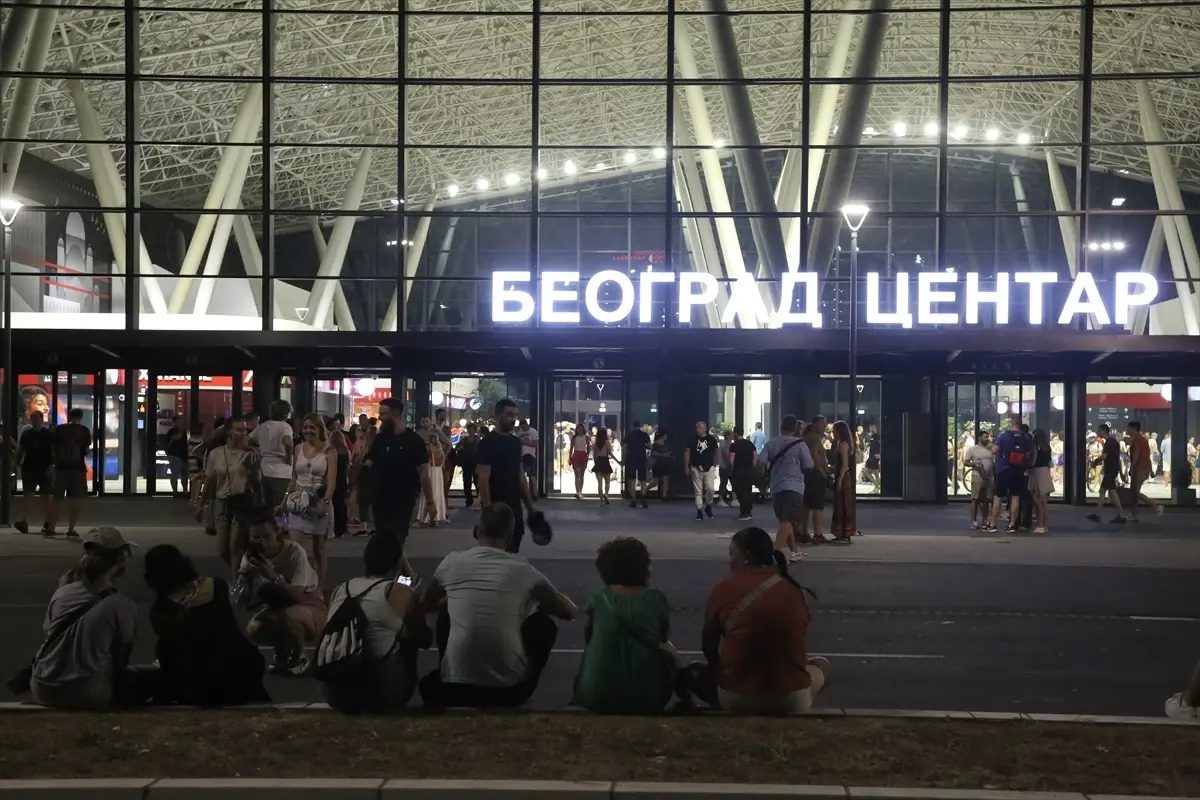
pixel 754 635
pixel 1139 468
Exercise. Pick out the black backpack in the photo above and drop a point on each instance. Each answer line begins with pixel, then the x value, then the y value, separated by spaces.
pixel 343 654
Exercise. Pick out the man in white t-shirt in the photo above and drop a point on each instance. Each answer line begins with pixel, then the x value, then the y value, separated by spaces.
pixel 492 649
pixel 275 441
pixel 529 453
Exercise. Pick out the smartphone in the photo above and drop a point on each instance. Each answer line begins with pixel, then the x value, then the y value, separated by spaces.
pixel 404 580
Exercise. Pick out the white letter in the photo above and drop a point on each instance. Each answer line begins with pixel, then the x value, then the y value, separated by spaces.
pixel 746 304
pixel 999 298
pixel 550 295
pixel 1084 298
pixel 592 300
pixel 689 282
pixel 1037 288
pixel 901 316
pixel 810 303
pixel 1127 299
pixel 646 293
pixel 502 296
pixel 927 297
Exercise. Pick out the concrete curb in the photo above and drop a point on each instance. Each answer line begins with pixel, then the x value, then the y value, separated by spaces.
pixel 876 713
pixel 376 789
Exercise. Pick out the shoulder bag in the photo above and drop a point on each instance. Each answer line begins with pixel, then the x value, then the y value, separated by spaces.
pixel 19 683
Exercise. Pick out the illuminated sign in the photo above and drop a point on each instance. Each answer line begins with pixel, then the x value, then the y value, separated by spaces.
pixel 927 298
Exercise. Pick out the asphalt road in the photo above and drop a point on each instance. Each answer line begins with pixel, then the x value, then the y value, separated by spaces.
pixel 905 635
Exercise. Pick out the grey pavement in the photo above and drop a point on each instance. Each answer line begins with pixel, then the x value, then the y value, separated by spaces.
pixel 917 613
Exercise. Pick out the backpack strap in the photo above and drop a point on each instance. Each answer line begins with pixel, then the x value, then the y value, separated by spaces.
pixel 366 591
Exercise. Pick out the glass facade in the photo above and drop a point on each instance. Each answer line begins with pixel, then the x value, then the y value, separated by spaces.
pixel 350 166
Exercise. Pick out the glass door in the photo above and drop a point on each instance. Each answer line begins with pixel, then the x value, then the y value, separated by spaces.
pixel 580 407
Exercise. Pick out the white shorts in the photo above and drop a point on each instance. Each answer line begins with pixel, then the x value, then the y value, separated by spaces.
pixel 775 704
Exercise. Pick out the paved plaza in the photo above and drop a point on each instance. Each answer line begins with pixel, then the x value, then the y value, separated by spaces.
pixel 918 612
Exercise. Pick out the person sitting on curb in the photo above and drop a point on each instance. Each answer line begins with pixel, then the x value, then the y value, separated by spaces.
pixel 83 664
pixel 204 658
pixel 754 635
pixel 1185 705
pixel 395 629
pixel 284 584
pixel 492 649
pixel 629 665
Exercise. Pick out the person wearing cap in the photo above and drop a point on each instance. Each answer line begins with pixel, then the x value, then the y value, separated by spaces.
pixel 89 628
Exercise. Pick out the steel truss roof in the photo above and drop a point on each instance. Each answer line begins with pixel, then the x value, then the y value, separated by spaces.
pixel 318 123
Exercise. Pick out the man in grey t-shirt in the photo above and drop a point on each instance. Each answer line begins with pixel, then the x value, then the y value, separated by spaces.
pixel 492 649
pixel 787 458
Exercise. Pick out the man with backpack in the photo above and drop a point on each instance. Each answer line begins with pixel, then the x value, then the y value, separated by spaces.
pixel 367 655
pixel 72 442
pixel 1015 452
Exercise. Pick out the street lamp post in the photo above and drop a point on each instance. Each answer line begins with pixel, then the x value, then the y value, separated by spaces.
pixel 8 214
pixel 855 214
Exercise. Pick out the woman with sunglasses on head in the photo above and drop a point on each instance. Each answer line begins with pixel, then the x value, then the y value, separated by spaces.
pixel 309 502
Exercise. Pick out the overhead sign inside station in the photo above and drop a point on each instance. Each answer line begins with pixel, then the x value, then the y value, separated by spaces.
pixel 926 298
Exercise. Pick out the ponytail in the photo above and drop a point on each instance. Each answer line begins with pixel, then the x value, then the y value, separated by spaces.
pixel 781 563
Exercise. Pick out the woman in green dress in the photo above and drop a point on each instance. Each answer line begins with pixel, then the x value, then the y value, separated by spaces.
pixel 629 665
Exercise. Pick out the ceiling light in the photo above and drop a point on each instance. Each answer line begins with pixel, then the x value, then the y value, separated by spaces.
pixel 452 190
pixel 931 128
pixel 868 131
pixel 1093 246
pixel 512 179
pixel 541 174
pixel 1106 246
pixel 404 242
pixel 1117 202
pixel 1023 138
pixel 600 167
pixel 660 152
pixel 1118 245
pixel 719 143
pixel 391 242
pixel 900 128
pixel 991 134
pixel 569 168
pixel 959 132
pixel 1123 171
pixel 482 184
pixel 396 201
pixel 630 157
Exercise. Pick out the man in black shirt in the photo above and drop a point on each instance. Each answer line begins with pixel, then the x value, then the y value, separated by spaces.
pixel 743 455
pixel 699 461
pixel 636 449
pixel 1110 472
pixel 498 468
pixel 35 454
pixel 72 443
pixel 400 468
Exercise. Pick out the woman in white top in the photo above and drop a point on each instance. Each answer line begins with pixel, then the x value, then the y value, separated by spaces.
pixel 396 629
pixel 309 502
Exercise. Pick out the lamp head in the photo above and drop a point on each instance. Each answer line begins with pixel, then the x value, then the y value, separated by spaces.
pixel 8 210
pixel 855 215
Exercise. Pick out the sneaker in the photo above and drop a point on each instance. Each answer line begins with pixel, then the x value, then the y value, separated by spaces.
pixel 73 535
pixel 744 518
pixel 1158 510
pixel 699 515
pixel 277 665
pixel 795 556
pixel 974 526
pixel 708 511
pixel 644 503
pixel 1178 710
pixel 1093 517
pixel 21 526
pixel 1118 521
pixel 297 667
pixel 1039 530
pixel 49 532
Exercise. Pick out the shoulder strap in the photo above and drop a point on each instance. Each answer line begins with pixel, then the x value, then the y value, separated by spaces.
pixel 749 599
pixel 69 621
pixel 366 591
pixel 779 455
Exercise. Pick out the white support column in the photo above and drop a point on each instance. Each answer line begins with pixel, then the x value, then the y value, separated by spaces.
pixel 1139 323
pixel 411 260
pixel 818 136
pixel 247 244
pixel 1067 226
pixel 20 114
pixel 710 159
pixel 689 192
pixel 1185 261
pixel 1023 207
pixel 220 238
pixel 13 41
pixel 439 267
pixel 341 309
pixel 320 300
pixel 111 192
pixel 245 124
